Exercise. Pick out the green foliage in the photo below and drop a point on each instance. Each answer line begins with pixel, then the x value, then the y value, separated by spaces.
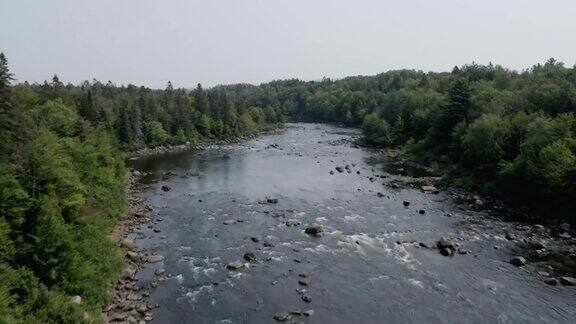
pixel 376 131
pixel 495 129
pixel 61 189
pixel 484 143
pixel 155 133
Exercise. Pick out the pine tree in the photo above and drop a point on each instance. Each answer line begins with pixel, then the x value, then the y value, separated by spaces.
pixel 455 111
pixel 137 134
pixel 201 100
pixel 124 127
pixel 88 108
pixel 7 120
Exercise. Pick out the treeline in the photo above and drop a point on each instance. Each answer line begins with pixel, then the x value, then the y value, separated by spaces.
pixel 142 117
pixel 63 179
pixel 496 130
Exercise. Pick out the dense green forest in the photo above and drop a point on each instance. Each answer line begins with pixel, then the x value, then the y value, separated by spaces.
pixel 499 131
pixel 62 150
pixel 63 181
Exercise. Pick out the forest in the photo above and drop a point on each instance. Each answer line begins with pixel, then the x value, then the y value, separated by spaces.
pixel 63 181
pixel 62 149
pixel 504 133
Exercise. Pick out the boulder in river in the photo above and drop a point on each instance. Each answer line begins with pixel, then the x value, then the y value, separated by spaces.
pixel 430 189
pixel 568 281
pixel 518 261
pixel 380 195
pixel 282 317
pixel 564 227
pixel 314 229
pixel 229 222
pixel 406 203
pixel 250 257
pixel 304 281
pixel 422 212
pixel 308 313
pixel 272 200
pixel 234 265
pixel 551 281
pixel 340 169
pixel 446 246
pixel 155 258
pixel 166 188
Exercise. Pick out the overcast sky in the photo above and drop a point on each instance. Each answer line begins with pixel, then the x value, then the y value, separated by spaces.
pixel 147 42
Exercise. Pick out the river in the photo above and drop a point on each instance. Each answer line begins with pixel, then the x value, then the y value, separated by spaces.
pixel 368 266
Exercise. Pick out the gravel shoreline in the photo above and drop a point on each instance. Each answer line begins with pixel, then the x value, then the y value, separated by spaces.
pixel 129 299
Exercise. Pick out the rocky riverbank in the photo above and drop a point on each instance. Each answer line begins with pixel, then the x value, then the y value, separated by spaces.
pixel 159 150
pixel 129 302
pixel 546 247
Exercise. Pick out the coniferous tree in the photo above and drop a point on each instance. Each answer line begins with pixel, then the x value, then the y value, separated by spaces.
pixel 124 127
pixel 201 100
pixel 7 120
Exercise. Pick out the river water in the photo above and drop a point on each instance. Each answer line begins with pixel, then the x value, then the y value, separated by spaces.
pixel 367 266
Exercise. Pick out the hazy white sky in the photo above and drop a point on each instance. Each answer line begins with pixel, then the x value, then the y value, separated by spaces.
pixel 148 42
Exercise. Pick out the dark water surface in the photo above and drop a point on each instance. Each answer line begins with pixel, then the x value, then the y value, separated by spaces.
pixel 368 266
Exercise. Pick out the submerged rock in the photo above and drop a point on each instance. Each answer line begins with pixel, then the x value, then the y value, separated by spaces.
pixel 518 261
pixel 568 281
pixel 314 230
pixel 282 317
pixel 564 227
pixel 166 188
pixel 551 281
pixel 249 256
pixel 155 258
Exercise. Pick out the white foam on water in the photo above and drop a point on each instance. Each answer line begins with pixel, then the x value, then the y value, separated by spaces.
pixel 416 283
pixel 379 278
pixel 239 275
pixel 193 295
pixel 352 218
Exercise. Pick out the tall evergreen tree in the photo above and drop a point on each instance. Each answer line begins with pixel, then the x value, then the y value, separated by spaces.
pixel 201 100
pixel 124 126
pixel 7 120
pixel 455 111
